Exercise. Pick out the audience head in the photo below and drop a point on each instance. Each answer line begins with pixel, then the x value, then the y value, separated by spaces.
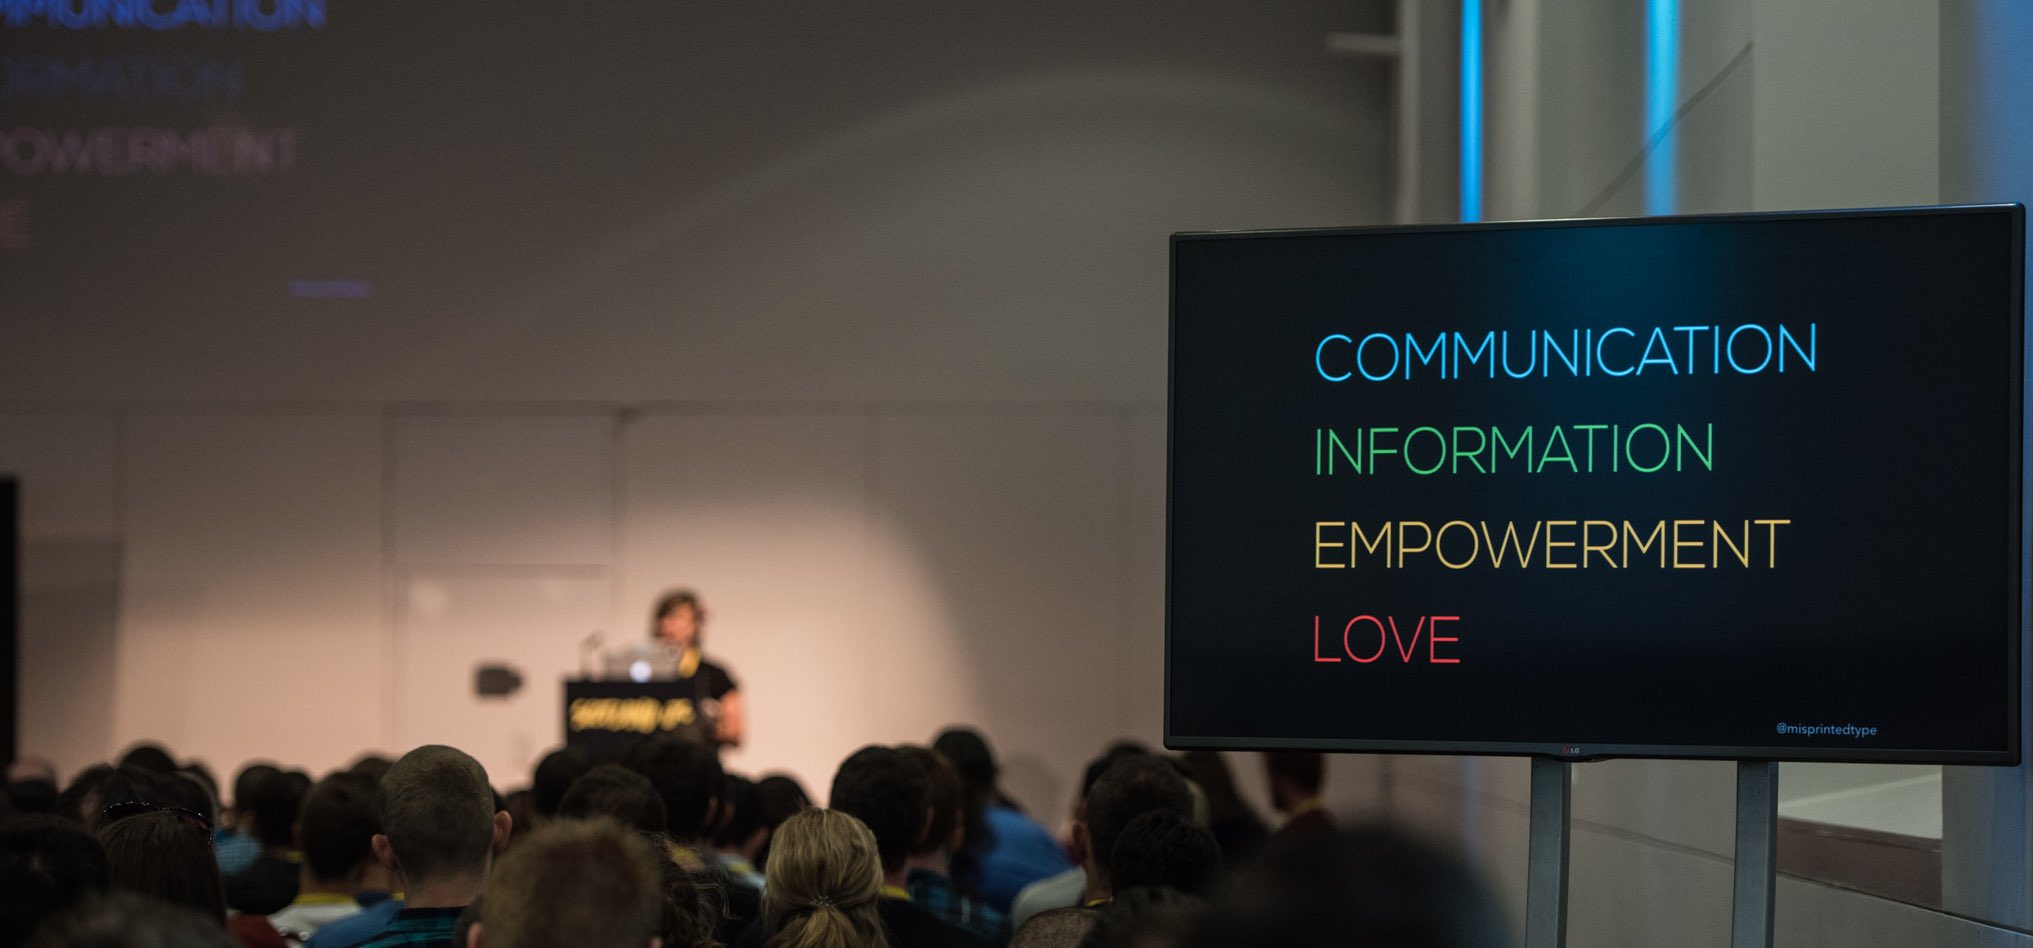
pixel 178 788
pixel 372 766
pixel 686 773
pixel 166 854
pixel 741 827
pixel 1144 917
pixel 887 791
pixel 32 794
pixel 945 794
pixel 1055 928
pixel 555 775
pixel 823 881
pixel 616 792
pixel 781 797
pixel 1132 786
pixel 264 808
pixel 574 883
pixel 1392 887
pixel 29 767
pixel 128 920
pixel 1295 776
pixel 203 775
pixel 47 865
pixel 150 757
pixel 970 756
pixel 1163 848
pixel 335 828
pixel 438 821
pixel 1209 770
pixel 100 786
pixel 521 808
pixel 693 905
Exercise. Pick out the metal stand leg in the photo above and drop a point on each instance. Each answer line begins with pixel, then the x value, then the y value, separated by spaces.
pixel 1546 856
pixel 1757 853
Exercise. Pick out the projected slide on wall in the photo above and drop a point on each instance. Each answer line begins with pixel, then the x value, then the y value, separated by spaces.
pixel 1705 487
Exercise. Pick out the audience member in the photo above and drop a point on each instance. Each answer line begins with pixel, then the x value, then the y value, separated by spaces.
pixel 1055 928
pixel 98 787
pixel 1163 849
pixel 1235 825
pixel 1372 885
pixel 148 756
pixel 31 785
pixel 129 920
pixel 1134 785
pixel 163 853
pixel 782 797
pixel 1295 778
pixel 265 804
pixel 202 774
pixel 521 807
pixel 335 831
pixel 237 845
pixel 929 882
pixel 1006 850
pixel 554 775
pixel 439 833
pixel 47 865
pixel 1146 917
pixel 573 884
pixel 740 834
pixel 693 913
pixel 1067 888
pixel 824 887
pixel 889 792
pixel 687 774
pixel 372 766
pixel 616 792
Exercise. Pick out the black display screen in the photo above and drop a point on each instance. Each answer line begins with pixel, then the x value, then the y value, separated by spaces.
pixel 1730 487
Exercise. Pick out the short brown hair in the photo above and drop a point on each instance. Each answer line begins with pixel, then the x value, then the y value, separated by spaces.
pixel 947 798
pixel 437 810
pixel 574 883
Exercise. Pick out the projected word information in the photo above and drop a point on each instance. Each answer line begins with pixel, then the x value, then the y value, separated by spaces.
pixel 1476 449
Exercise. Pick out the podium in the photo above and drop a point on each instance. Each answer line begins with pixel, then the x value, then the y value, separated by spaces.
pixel 603 718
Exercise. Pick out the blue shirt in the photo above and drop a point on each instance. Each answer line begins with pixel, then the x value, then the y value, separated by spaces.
pixel 1023 853
pixel 419 926
pixel 358 928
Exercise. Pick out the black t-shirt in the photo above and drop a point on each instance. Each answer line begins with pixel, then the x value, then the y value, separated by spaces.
pixel 713 681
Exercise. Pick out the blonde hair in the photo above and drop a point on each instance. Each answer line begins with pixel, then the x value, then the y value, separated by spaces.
pixel 824 878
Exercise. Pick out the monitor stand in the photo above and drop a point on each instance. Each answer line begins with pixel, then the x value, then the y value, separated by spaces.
pixel 1551 832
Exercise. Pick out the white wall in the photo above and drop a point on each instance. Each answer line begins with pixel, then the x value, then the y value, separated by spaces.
pixel 875 359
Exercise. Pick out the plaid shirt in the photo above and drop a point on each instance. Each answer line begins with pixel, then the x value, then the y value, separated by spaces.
pixel 930 891
pixel 413 926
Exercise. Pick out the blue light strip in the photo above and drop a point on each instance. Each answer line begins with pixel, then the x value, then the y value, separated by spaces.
pixel 1471 110
pixel 1662 96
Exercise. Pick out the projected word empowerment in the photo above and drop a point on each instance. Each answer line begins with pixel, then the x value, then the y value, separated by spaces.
pixel 1585 448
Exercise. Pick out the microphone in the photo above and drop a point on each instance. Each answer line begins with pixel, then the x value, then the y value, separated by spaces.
pixel 587 647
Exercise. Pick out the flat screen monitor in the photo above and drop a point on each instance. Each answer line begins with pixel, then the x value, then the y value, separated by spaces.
pixel 1737 486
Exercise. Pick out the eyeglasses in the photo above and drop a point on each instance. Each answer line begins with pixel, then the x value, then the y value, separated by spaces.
pixel 121 811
